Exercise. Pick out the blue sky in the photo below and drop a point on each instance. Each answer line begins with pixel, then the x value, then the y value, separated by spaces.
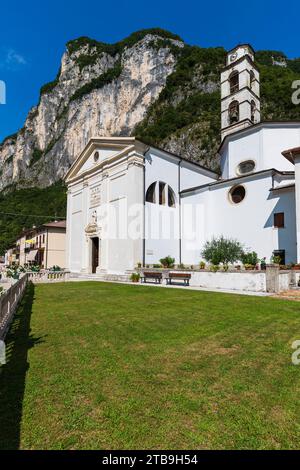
pixel 33 35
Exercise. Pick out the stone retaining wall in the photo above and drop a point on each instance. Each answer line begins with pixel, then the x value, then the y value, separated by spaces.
pixel 271 280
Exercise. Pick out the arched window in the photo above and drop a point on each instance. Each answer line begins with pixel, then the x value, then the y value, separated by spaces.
pixel 162 193
pixel 253 110
pixel 166 195
pixel 150 194
pixel 234 82
pixel 234 112
pixel 252 79
pixel 171 197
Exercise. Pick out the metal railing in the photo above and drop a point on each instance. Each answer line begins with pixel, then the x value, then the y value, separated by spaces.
pixel 9 302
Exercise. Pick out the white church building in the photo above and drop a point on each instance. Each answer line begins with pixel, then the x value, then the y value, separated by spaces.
pixel 129 203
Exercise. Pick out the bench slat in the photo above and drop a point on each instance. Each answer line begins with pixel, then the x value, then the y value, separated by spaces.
pixel 180 275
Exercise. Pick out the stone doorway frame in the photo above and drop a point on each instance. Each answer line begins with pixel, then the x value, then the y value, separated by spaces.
pixel 93 231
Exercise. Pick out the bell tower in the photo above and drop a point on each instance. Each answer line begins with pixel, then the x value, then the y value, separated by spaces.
pixel 240 91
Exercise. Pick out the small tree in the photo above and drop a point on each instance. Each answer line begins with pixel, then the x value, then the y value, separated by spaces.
pixel 222 250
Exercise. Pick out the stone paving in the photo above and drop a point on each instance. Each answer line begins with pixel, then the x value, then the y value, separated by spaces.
pixel 293 294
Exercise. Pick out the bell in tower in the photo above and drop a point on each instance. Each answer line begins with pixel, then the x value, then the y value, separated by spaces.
pixel 240 91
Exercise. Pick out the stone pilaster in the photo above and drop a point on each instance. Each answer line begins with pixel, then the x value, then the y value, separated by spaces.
pixel 272 278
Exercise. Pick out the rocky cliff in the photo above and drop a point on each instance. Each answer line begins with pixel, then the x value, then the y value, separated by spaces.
pixel 152 85
pixel 99 90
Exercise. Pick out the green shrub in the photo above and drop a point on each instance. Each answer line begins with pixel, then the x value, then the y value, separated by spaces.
pixel 249 258
pixel 222 250
pixel 276 259
pixel 135 277
pixel 55 268
pixel 167 262
pixel 214 268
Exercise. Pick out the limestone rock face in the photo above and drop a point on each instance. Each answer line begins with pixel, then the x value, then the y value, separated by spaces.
pixel 59 127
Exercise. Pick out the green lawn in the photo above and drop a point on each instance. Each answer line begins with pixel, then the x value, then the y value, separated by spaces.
pixel 98 366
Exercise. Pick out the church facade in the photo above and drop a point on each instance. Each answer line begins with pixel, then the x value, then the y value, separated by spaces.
pixel 129 203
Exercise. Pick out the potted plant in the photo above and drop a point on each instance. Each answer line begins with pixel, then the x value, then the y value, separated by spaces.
pixel 249 258
pixel 276 260
pixel 135 277
pixel 249 267
pixel 167 262
pixel 214 268
pixel 202 265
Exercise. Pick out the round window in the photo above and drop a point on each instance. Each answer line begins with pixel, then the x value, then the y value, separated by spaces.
pixel 237 194
pixel 246 167
pixel 96 156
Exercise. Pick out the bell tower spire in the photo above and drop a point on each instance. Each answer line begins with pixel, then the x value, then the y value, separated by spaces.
pixel 240 91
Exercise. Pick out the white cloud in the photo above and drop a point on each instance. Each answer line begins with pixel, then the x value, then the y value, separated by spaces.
pixel 11 59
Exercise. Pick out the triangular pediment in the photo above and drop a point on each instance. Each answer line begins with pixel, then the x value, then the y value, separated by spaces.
pixel 99 151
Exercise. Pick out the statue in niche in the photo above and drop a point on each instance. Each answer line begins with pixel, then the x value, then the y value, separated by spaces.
pixel 92 227
pixel 94 218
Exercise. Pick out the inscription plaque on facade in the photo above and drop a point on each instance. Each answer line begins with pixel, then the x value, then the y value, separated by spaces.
pixel 95 196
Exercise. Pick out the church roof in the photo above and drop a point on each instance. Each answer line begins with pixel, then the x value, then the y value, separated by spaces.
pixel 236 178
pixel 291 153
pixel 241 45
pixel 123 145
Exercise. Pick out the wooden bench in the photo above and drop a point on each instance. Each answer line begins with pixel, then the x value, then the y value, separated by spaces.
pixel 154 276
pixel 185 277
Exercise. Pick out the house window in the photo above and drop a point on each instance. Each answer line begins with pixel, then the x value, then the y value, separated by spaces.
pixel 150 195
pixel 279 220
pixel 162 193
pixel 234 82
pixel 234 112
pixel 237 194
pixel 280 254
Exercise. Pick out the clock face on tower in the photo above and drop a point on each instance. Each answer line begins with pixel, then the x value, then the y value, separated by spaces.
pixel 233 57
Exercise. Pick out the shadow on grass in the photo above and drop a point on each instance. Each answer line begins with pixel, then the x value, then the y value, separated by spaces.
pixel 13 374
